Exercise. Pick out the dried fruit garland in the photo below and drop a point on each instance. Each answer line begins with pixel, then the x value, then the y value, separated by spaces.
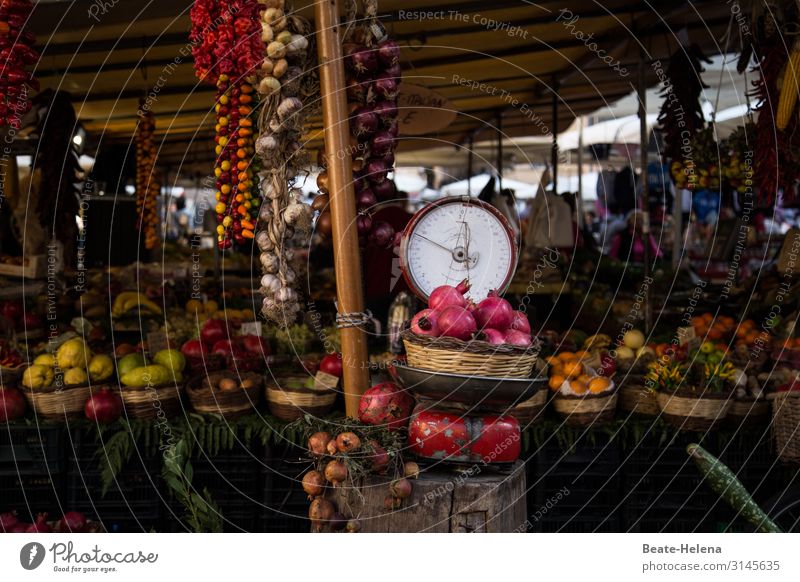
pixel 227 47
pixel 148 183
pixel 16 53
pixel 287 86
pixel 373 79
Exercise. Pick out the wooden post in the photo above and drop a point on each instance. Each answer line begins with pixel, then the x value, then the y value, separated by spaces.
pixel 346 257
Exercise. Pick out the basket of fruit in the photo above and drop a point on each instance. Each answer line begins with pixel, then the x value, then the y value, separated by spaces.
pixel 226 393
pixel 586 401
pixel 747 411
pixel 785 422
pixel 694 397
pixel 455 336
pixel 292 397
pixel 58 385
pixel 636 396
pixel 152 390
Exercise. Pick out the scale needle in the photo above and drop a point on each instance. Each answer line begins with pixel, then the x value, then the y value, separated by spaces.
pixel 441 246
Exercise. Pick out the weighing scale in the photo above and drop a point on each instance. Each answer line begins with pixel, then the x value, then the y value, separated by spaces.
pixel 446 242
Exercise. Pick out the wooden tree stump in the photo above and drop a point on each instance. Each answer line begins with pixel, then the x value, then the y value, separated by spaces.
pixel 457 500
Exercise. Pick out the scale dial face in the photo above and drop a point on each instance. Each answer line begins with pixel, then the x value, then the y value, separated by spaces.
pixel 454 239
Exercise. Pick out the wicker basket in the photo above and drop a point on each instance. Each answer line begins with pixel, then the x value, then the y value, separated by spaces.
pixel 161 400
pixel 531 411
pixel 786 425
pixel 747 412
pixel 9 377
pixel 473 358
pixel 58 401
pixel 289 399
pixel 636 398
pixel 586 410
pixel 684 410
pixel 229 403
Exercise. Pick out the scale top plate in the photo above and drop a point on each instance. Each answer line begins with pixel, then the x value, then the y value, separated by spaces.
pixel 458 238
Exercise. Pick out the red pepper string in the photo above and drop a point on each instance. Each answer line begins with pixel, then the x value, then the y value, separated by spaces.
pixel 16 53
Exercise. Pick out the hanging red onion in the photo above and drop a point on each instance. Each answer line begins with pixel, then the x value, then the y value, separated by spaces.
pixel 386 111
pixel 377 170
pixel 363 223
pixel 389 53
pixel 392 128
pixel 364 122
pixel 394 71
pixel 356 90
pixel 385 87
pixel 382 234
pixel 366 199
pixel 382 143
pixel 360 59
pixel 385 191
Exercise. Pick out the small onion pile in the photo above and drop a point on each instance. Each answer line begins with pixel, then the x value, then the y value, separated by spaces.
pixel 226 48
pixel 148 183
pixel 286 84
pixel 373 78
pixel 451 314
pixel 16 54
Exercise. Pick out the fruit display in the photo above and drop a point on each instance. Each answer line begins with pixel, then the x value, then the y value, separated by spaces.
pixel 570 375
pixel 10 357
pixel 165 367
pixel 130 303
pixel 288 86
pixel 70 522
pixel 72 364
pixel 386 404
pixel 148 179
pixel 16 51
pixel 372 64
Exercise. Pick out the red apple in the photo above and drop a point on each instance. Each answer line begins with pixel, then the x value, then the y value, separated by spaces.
pixel 213 331
pixel 256 344
pixel 607 365
pixel 332 364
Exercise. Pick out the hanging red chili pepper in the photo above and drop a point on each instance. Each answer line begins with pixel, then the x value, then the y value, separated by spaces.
pixel 148 180
pixel 16 55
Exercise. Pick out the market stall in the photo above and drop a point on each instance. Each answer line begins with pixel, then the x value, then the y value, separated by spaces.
pixel 246 359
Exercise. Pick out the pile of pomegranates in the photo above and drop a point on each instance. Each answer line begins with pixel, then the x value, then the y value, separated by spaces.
pixel 451 313
pixel 71 522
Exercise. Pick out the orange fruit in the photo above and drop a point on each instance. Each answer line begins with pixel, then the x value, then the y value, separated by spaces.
pixel 599 384
pixel 573 368
pixel 555 382
pixel 697 321
pixel 578 387
pixel 714 334
pixel 580 354
pixel 553 360
pixel 707 317
pixel 564 356
pixel 585 378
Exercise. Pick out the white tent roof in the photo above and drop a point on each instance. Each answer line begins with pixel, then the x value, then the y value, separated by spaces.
pixel 460 188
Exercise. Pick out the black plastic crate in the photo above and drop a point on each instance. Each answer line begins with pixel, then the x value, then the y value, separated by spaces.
pixel 581 524
pixel 30 495
pixel 31 450
pixel 285 502
pixel 235 484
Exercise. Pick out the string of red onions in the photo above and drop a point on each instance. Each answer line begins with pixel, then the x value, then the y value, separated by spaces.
pixel 372 66
pixel 16 54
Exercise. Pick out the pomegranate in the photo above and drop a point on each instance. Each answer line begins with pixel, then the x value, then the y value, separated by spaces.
pixel 353 526
pixel 347 442
pixel 401 488
pixel 313 484
pixel 457 322
pixel 494 312
pixel 320 512
pixel 338 521
pixel 256 344
pixel 330 448
pixel 318 443
pixel 410 470
pixel 336 472
pixel 191 349
pixel 7 521
pixel 379 457
pixel 520 322
pixel 447 295
pixel 332 364
pixel 518 338
pixel 31 320
pixel 72 521
pixel 11 310
pixel 385 404
pixel 103 407
pixel 492 336
pixel 426 322
pixel 213 331
pixel 12 404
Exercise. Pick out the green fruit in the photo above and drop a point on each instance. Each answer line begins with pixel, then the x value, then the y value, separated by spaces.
pixel 130 362
pixel 707 347
pixel 171 360
pixel 147 376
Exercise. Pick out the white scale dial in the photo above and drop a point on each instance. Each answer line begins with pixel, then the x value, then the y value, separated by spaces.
pixel 455 239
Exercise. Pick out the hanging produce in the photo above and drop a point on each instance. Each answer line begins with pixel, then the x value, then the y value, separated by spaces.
pixel 372 64
pixel 148 183
pixel 227 47
pixel 16 54
pixel 681 115
pixel 288 89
